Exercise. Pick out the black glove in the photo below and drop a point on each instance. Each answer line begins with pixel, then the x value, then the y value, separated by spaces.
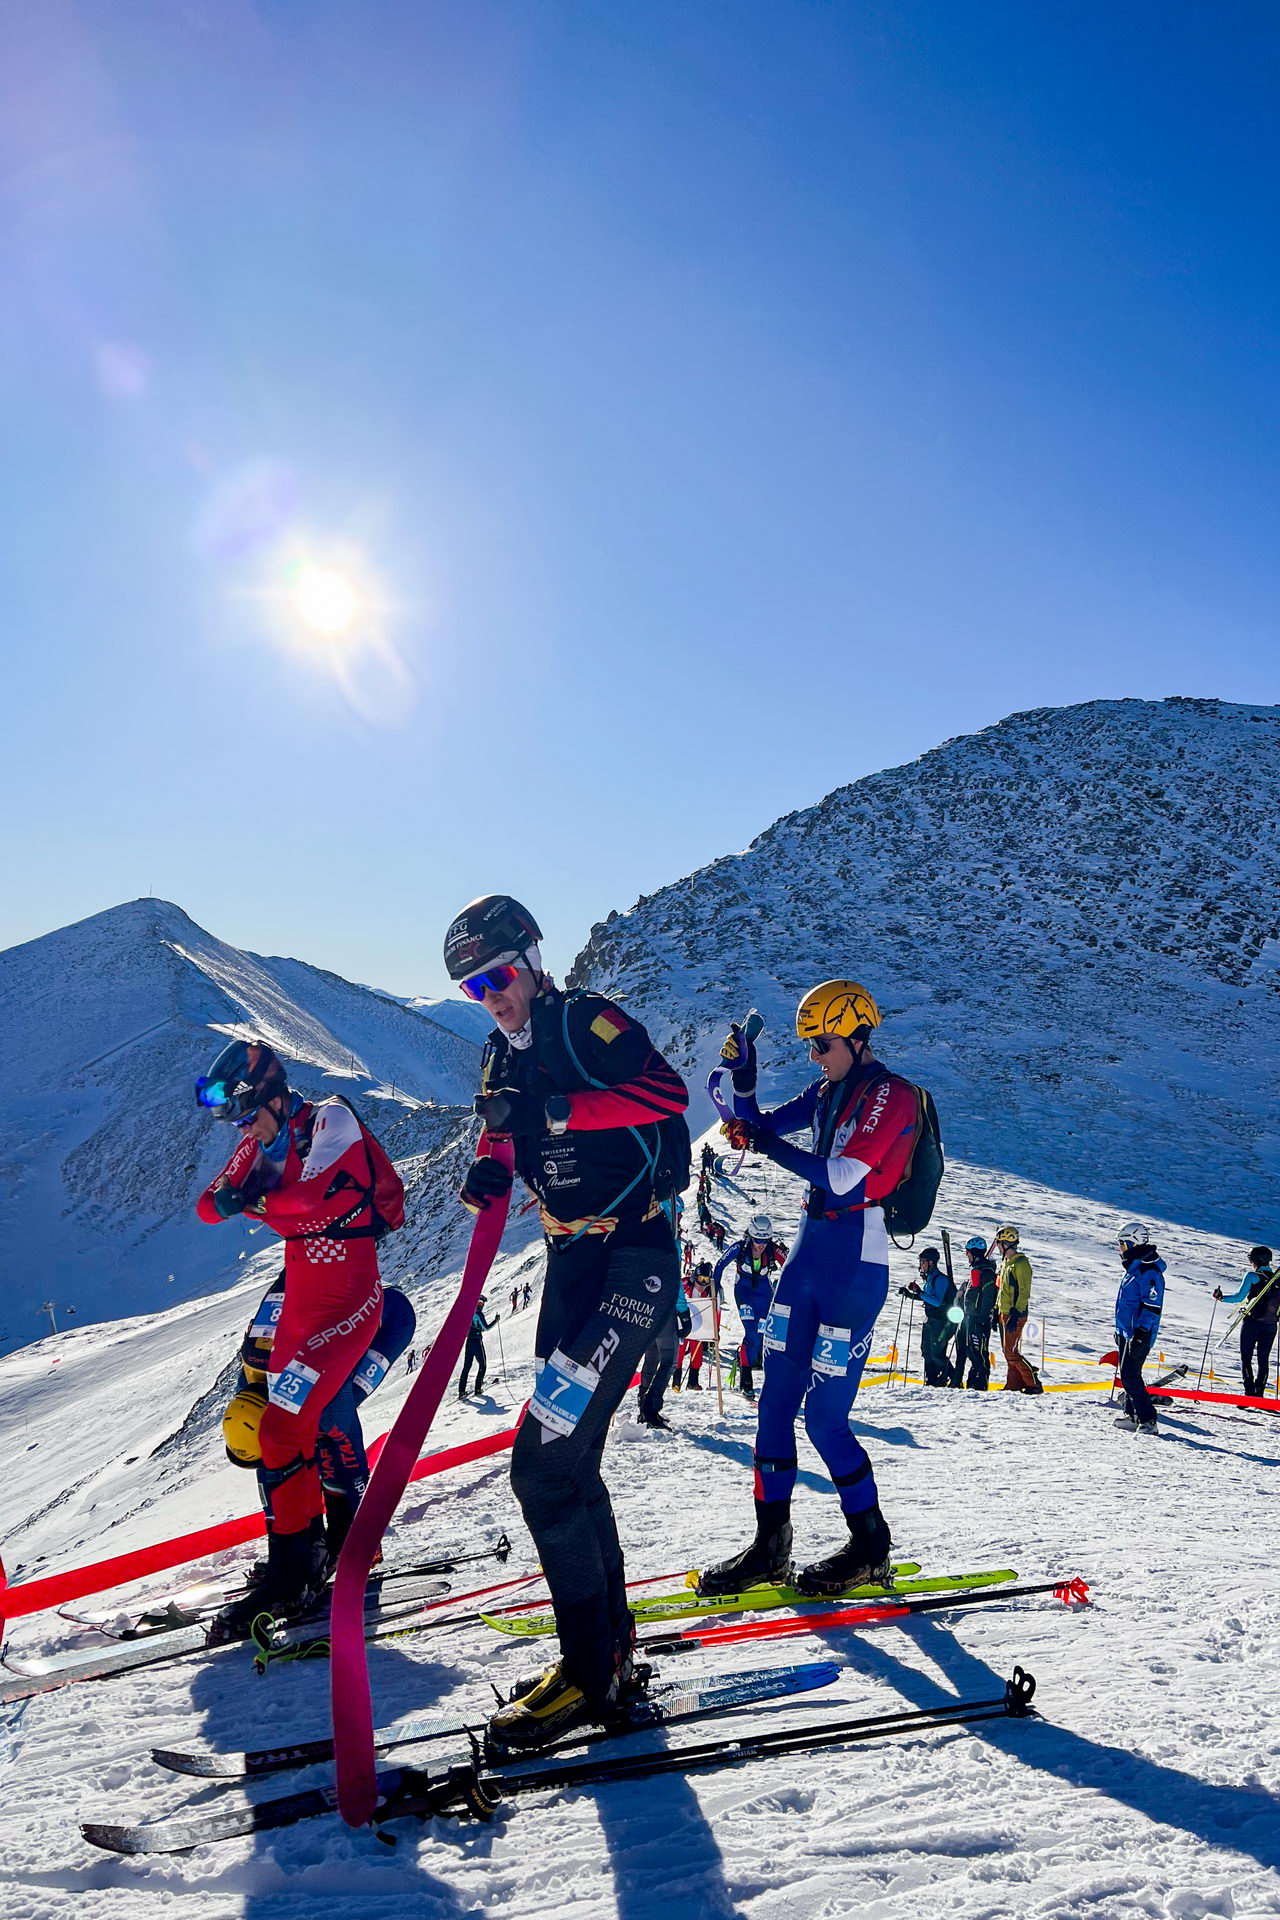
pixel 229 1201
pixel 1218 1293
pixel 487 1179
pixel 509 1111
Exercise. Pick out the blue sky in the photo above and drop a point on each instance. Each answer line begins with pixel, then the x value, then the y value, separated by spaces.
pixel 716 402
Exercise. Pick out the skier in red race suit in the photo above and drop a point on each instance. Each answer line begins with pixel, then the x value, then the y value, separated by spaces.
pixel 311 1173
pixel 864 1122
pixel 596 1115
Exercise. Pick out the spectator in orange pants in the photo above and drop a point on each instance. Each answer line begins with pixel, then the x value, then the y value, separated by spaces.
pixel 1014 1302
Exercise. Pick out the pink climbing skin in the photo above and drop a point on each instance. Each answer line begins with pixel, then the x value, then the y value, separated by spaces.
pixel 349 1667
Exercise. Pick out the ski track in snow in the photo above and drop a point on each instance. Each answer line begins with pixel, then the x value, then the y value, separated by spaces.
pixel 1147 1789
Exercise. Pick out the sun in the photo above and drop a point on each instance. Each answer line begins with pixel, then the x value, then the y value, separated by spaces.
pixel 325 600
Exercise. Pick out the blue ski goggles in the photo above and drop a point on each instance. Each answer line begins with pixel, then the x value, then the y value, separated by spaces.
pixel 217 1098
pixel 496 980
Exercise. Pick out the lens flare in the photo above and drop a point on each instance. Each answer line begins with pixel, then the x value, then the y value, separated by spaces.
pixel 325 600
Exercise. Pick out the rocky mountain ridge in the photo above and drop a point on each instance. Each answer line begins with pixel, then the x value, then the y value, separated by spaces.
pixel 1071 921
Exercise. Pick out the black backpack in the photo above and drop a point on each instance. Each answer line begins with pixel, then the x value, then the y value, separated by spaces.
pixel 909 1208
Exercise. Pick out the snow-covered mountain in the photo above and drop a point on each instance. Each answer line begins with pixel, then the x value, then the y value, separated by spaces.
pixel 105 1025
pixel 1071 921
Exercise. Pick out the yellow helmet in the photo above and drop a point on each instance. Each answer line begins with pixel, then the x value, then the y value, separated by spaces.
pixel 838 1006
pixel 1006 1236
pixel 240 1427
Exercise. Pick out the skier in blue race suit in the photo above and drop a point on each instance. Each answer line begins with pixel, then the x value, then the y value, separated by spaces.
pixel 1139 1305
pixel 757 1259
pixel 863 1122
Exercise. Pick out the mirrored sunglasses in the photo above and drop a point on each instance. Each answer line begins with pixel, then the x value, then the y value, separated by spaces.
pixel 497 980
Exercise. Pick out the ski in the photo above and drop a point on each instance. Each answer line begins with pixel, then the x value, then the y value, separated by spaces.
pixel 674 1699
pixel 172 1618
pixel 1065 1590
pixel 184 1606
pixel 761 1599
pixel 467 1790
pixel 672 1704
pixel 104 1663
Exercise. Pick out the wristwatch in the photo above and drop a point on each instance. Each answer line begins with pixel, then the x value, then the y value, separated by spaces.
pixel 557 1107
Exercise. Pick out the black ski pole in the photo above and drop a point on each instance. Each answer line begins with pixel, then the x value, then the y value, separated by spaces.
pixel 469 1790
pixel 502 1352
pixel 911 1314
pixel 1208 1337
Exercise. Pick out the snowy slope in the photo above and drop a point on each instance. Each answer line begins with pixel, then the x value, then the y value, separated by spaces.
pixel 1071 921
pixel 1147 1789
pixel 104 1027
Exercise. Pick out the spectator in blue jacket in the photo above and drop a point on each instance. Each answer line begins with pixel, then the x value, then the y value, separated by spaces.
pixel 1261 1288
pixel 1139 1305
pixel 938 1292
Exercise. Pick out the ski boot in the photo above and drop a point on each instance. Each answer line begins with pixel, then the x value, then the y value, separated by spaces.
pixel 338 1515
pixel 545 1707
pixel 765 1563
pixel 862 1562
pixel 292 1584
pixel 656 1422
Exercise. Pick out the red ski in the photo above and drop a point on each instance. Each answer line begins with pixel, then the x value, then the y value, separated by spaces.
pixel 353 1744
pixel 1068 1591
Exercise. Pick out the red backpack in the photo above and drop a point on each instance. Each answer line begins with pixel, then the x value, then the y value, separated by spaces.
pixel 384 1198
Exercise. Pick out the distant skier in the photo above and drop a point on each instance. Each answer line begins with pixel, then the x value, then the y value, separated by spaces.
pixel 1261 1288
pixel 708 1159
pixel 756 1258
pixel 1139 1305
pixel 1014 1304
pixel 527 1294
pixel 317 1178
pixel 515 1298
pixel 411 1361
pixel 597 1117
pixel 475 1353
pixel 978 1306
pixel 698 1291
pixel 937 1290
pixel 864 1122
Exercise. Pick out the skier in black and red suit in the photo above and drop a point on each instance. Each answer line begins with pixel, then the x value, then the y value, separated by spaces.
pixel 597 1118
pixel 310 1172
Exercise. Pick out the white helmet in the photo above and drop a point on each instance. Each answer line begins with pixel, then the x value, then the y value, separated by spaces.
pixel 1134 1234
pixel 760 1226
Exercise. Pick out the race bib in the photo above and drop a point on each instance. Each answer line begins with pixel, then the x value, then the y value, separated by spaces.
pixel 831 1350
pixel 370 1372
pixel 563 1393
pixel 290 1388
pixel 776 1328
pixel 267 1317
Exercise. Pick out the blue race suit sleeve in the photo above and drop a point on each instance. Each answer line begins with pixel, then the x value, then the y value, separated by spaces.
pixel 1230 1299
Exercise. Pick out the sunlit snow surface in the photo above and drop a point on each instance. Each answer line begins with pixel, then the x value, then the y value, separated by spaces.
pixel 1146 1789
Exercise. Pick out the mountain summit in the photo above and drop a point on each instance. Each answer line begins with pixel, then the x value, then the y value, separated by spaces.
pixel 1070 921
pixel 105 1026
